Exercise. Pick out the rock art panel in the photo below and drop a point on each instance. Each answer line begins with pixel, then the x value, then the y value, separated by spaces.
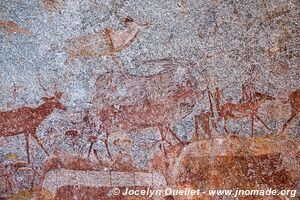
pixel 148 94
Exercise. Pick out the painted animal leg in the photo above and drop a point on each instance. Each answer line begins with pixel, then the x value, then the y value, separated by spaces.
pixel 205 124
pixel 210 102
pixel 173 134
pixel 27 145
pixel 39 142
pixel 252 124
pixel 105 141
pixel 163 150
pixel 262 122
pixel 214 124
pixel 90 149
pixel 225 125
pixel 293 115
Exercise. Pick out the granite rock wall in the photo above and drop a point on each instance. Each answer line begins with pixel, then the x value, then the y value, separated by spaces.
pixel 129 86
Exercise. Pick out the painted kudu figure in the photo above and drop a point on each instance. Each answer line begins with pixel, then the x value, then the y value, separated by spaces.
pixel 155 114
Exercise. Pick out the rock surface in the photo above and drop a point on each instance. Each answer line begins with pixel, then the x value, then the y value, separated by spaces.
pixel 204 93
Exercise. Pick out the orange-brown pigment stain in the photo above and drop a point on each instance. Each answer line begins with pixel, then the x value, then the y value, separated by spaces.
pixel 243 172
pixel 26 120
pixel 12 27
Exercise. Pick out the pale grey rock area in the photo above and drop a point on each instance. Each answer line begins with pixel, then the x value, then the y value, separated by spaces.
pixel 217 43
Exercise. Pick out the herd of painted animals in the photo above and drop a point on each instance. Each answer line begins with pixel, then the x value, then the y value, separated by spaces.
pixel 160 114
pixel 150 113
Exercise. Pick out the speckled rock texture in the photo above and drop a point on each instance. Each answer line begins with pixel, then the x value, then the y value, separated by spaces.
pixel 97 94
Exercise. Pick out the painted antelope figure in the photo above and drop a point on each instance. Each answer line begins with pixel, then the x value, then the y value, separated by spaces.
pixel 12 27
pixel 294 98
pixel 156 114
pixel 26 120
pixel 107 42
pixel 247 108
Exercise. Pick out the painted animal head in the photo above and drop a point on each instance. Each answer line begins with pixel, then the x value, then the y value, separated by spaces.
pixel 53 101
pixel 129 20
